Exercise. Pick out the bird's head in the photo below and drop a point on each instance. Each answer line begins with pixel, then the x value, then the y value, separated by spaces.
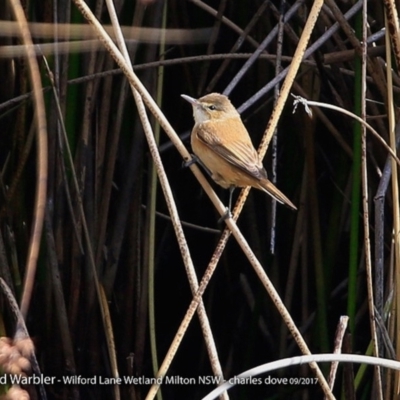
pixel 213 106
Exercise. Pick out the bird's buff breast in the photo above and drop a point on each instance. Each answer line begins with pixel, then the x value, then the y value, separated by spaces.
pixel 222 172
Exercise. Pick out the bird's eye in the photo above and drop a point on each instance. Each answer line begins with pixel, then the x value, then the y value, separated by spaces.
pixel 212 108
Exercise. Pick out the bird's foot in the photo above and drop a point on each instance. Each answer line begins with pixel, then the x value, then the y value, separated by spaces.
pixel 196 160
pixel 188 163
pixel 226 215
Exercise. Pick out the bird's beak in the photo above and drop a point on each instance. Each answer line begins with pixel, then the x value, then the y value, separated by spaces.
pixel 191 100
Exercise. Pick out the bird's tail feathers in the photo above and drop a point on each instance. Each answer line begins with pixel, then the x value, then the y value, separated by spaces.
pixel 274 192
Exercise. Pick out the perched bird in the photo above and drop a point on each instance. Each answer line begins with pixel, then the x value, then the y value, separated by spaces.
pixel 223 146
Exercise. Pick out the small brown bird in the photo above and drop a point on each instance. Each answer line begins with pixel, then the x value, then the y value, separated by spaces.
pixel 223 146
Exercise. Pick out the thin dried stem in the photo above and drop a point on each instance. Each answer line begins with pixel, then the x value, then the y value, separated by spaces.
pixel 41 177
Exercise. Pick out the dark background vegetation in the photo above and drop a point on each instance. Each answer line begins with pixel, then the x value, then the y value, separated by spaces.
pixel 313 169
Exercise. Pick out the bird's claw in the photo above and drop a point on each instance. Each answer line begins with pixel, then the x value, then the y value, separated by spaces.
pixel 226 215
pixel 188 163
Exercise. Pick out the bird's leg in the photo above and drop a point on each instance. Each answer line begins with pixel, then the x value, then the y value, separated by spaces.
pixel 231 190
pixel 197 160
pixel 228 213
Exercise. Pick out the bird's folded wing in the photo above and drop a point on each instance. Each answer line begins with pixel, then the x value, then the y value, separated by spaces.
pixel 237 152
